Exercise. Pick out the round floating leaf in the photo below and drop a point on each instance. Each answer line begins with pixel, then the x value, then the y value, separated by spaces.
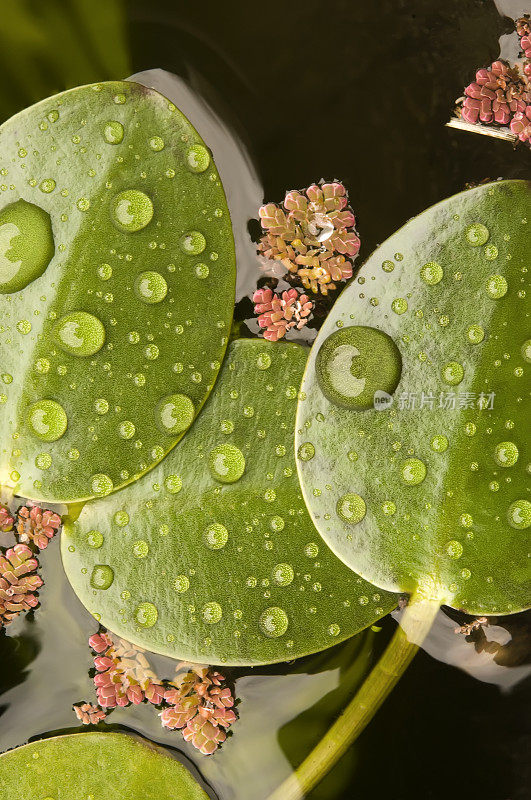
pixel 117 275
pixel 95 765
pixel 212 557
pixel 426 479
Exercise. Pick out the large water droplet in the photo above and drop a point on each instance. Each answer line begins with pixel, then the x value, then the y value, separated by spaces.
pixel 193 243
pixel 47 420
pixel 102 576
pixel 101 484
pixel 432 273
pixel 79 333
pixel 351 508
pixel 131 210
pixel 306 451
pixel 274 622
pixel 113 132
pixel 211 613
pixel 496 286
pixel 197 158
pixel 519 514
pixel 174 414
pixel 226 463
pixel 283 574
pixel 216 536
pixel 452 373
pixel 354 363
pixel 506 454
pixel 146 615
pixel 413 471
pixel 477 234
pixel 26 245
pixel 151 287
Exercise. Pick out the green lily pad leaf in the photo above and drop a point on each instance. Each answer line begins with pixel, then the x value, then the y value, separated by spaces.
pixel 212 557
pixel 117 275
pixel 95 765
pixel 414 407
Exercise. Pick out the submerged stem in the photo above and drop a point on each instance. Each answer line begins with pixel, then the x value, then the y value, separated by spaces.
pixel 415 624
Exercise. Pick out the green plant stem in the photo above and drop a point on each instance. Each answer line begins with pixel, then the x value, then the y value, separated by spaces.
pixel 416 623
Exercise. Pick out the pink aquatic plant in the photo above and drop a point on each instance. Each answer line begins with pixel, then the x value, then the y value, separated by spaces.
pixel 89 714
pixel 196 702
pixel 18 582
pixel 123 675
pixel 37 525
pixel 500 95
pixel 6 520
pixel 200 707
pixel 313 235
pixel 279 313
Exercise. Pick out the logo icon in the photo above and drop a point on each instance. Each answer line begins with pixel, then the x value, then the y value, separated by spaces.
pixel 382 400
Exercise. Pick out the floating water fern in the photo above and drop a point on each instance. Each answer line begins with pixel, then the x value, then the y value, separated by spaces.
pixel 212 557
pixel 115 238
pixel 413 410
pixel 95 765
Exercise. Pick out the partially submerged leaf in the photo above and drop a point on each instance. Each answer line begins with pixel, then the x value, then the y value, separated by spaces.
pixel 98 765
pixel 212 557
pixel 414 407
pixel 117 278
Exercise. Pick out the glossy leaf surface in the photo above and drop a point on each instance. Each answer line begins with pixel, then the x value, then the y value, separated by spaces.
pixel 428 483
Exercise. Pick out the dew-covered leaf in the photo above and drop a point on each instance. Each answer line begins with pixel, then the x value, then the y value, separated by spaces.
pixel 95 765
pixel 415 410
pixel 117 278
pixel 212 557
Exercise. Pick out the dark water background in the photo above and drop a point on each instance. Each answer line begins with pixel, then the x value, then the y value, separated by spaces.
pixel 358 91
